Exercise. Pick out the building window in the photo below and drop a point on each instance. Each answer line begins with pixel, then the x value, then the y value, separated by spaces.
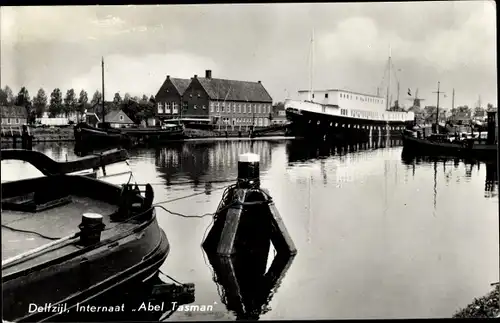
pixel 313 95
pixel 244 108
pixel 195 107
pixel 167 107
pixel 8 121
pixel 217 107
pixel 211 107
pixel 258 108
pixel 234 107
pixel 184 105
pixel 17 120
pixel 204 107
pixel 199 95
pixel 239 107
pixel 121 118
pixel 326 95
pixel 160 107
pixel 222 108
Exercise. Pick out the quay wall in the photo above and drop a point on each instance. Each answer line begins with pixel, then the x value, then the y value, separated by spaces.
pixel 59 134
pixel 56 134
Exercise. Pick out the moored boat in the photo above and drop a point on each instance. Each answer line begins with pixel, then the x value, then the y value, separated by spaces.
pixel 98 137
pixel 443 145
pixel 69 238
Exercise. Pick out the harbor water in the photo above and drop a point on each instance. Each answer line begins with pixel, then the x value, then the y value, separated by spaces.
pixel 378 235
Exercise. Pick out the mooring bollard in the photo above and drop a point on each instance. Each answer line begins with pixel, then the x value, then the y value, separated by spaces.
pixel 247 217
pixel 91 228
pixel 26 140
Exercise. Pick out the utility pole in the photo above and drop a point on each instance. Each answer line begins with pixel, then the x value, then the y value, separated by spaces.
pixel 103 109
pixel 437 107
pixel 453 100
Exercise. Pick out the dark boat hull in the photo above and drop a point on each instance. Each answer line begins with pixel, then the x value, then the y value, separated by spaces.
pixel 86 135
pixel 40 278
pixel 418 146
pixel 80 279
pixel 312 125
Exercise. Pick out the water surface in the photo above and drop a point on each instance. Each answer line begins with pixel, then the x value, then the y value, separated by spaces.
pixel 378 236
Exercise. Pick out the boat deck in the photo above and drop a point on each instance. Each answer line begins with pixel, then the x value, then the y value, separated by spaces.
pixel 56 223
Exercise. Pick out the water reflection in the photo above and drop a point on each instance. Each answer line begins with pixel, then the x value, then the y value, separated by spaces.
pixel 208 162
pixel 491 178
pixel 301 150
pixel 244 285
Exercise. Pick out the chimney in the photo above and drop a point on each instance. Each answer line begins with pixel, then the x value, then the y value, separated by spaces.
pixel 195 76
pixel 258 82
pixel 168 77
pixel 208 74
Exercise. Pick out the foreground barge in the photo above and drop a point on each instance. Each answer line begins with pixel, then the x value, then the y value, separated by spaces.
pixel 66 239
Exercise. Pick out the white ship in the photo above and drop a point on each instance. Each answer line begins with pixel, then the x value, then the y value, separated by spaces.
pixel 338 113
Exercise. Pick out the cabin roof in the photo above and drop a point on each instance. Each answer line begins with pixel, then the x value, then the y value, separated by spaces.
pixel 343 91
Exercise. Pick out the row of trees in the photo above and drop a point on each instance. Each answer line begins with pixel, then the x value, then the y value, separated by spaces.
pixel 57 104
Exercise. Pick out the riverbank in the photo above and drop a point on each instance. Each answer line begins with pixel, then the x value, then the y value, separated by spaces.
pixel 484 307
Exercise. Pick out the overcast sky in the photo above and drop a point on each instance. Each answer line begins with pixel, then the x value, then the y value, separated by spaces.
pixel 451 41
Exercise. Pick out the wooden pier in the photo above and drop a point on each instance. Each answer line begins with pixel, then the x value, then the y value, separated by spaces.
pixel 19 133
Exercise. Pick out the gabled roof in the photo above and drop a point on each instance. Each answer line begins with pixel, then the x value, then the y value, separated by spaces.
pixel 180 84
pixel 13 112
pixel 231 90
pixel 112 117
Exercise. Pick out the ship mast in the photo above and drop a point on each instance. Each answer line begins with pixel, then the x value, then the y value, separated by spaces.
pixel 311 67
pixel 388 105
pixel 437 107
pixel 102 80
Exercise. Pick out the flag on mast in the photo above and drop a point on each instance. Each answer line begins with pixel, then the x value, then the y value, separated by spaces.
pixel 409 92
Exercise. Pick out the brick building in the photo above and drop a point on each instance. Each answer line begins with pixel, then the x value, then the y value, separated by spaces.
pixel 170 97
pixel 224 102
pixel 13 115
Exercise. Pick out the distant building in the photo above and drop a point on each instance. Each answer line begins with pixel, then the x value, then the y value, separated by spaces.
pixel 479 116
pixel 13 115
pixel 115 116
pixel 278 115
pixel 227 102
pixel 118 119
pixel 461 118
pixel 170 98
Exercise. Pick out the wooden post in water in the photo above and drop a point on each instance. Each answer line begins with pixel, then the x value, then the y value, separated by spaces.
pixel 26 139
pixel 247 218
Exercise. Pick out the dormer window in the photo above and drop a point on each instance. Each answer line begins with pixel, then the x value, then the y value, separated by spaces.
pixel 199 95
pixel 121 118
pixel 326 95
